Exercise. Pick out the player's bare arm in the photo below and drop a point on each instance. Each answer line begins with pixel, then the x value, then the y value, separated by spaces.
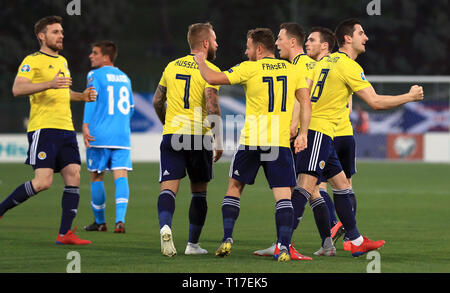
pixel 213 111
pixel 302 96
pixel 87 137
pixel 212 101
pixel 295 119
pixel 88 95
pixel 159 100
pixel 383 102
pixel 209 75
pixel 23 86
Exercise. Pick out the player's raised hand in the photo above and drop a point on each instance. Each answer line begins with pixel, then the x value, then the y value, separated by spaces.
pixel 60 82
pixel 90 94
pixel 199 57
pixel 300 143
pixel 416 92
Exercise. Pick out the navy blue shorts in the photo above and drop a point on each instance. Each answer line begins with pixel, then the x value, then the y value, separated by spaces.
pixel 181 153
pixel 52 148
pixel 346 151
pixel 319 159
pixel 277 162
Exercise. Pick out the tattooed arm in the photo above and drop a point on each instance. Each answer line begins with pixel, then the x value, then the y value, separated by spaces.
pixel 213 111
pixel 212 101
pixel 158 103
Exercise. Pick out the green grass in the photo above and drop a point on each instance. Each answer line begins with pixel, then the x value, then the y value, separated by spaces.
pixel 407 204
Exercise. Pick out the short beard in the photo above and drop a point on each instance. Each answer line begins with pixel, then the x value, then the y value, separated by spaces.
pixel 54 47
pixel 211 54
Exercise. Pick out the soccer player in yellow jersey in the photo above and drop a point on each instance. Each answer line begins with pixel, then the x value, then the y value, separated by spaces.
pixel 45 77
pixel 271 86
pixel 290 47
pixel 320 43
pixel 334 79
pixel 192 110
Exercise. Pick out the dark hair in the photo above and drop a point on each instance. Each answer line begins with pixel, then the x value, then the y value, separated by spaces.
pixel 263 36
pixel 326 36
pixel 197 33
pixel 294 30
pixel 41 25
pixel 107 48
pixel 345 28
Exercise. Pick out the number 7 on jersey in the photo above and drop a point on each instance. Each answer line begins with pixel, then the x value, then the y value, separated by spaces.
pixel 187 86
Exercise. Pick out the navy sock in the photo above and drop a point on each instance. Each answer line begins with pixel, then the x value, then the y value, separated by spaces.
pixel 69 203
pixel 344 210
pixel 197 215
pixel 18 196
pixel 230 212
pixel 330 205
pixel 353 200
pixel 284 217
pixel 166 207
pixel 321 217
pixel 299 199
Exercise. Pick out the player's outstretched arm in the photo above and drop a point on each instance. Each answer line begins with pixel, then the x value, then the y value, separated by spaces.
pixel 88 95
pixel 210 76
pixel 159 99
pixel 214 119
pixel 383 102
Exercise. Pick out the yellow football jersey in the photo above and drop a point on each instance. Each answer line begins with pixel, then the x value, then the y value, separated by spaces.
pixel 270 86
pixel 344 127
pixel 186 105
pixel 49 108
pixel 335 78
pixel 305 64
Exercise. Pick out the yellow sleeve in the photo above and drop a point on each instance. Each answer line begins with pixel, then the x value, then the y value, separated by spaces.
pixel 163 81
pixel 28 68
pixel 354 76
pixel 240 73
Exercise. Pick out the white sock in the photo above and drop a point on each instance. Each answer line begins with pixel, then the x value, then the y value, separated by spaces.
pixel 358 241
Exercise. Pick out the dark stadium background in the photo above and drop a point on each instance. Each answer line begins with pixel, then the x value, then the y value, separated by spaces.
pixel 408 38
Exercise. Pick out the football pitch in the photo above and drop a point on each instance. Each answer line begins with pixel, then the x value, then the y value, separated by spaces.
pixel 406 204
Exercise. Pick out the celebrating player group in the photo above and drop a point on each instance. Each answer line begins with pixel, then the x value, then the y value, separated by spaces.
pixel 297 128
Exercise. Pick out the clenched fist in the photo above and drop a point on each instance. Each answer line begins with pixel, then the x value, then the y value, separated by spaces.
pixel 416 92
